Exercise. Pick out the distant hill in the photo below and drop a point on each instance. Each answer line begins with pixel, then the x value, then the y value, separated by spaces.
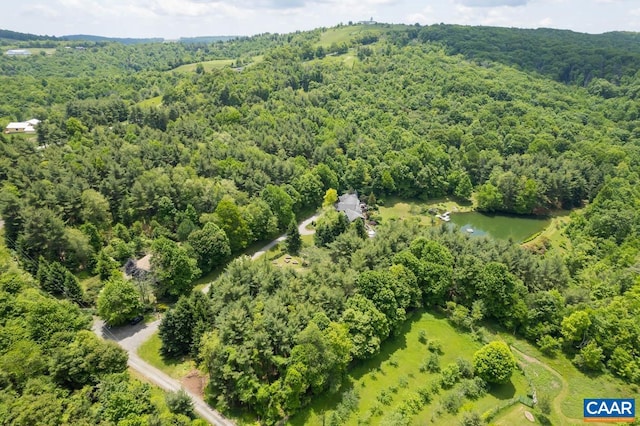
pixel 94 38
pixel 565 56
pixel 206 39
pixel 14 35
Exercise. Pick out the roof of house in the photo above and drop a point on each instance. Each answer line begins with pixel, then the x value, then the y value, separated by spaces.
pixel 350 205
pixel 139 268
pixel 144 263
pixel 18 125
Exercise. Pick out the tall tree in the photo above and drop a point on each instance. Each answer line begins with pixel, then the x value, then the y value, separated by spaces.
pixel 211 246
pixel 118 301
pixel 293 241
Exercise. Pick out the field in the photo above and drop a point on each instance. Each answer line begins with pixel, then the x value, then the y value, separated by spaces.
pixel 208 65
pixel 394 377
pixel 386 381
pixel 572 385
pixel 347 33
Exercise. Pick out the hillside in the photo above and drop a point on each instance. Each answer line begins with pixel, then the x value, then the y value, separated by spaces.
pixel 565 56
pixel 199 153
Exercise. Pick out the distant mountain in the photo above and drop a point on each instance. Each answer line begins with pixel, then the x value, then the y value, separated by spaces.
pixel 206 39
pixel 94 38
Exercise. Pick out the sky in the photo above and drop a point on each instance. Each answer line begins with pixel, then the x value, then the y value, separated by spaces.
pixel 172 19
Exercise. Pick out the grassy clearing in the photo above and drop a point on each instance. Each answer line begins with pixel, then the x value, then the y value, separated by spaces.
pixel 397 208
pixel 553 235
pixel 574 384
pixel 396 373
pixel 151 102
pixel 347 33
pixel 150 352
pixel 208 65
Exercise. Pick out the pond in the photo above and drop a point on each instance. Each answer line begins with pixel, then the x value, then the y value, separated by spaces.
pixel 518 228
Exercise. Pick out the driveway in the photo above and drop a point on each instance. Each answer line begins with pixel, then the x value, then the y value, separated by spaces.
pixel 130 338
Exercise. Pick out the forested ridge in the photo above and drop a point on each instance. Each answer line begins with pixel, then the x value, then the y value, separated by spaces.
pixel 193 167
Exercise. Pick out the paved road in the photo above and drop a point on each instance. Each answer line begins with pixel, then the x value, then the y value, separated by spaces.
pixel 130 338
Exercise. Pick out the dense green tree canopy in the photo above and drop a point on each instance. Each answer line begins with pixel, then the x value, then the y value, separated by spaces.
pixel 494 362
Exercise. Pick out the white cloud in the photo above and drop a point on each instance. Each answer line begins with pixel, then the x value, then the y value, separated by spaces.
pixel 492 3
pixel 422 17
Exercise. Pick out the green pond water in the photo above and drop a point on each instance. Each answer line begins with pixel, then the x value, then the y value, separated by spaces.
pixel 518 228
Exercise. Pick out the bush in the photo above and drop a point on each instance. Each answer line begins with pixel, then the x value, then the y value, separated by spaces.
pixel 474 388
pixel 452 403
pixel 425 394
pixel 435 346
pixel 549 345
pixel 431 364
pixel 471 418
pixel 403 382
pixel 384 397
pixel 450 376
pixel 422 337
pixel 466 368
pixel 544 404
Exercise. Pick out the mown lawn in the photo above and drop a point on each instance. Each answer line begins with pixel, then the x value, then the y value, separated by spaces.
pixel 176 368
pixel 578 385
pixel 395 372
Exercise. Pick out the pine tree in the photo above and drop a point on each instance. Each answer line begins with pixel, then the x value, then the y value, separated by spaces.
pixel 294 242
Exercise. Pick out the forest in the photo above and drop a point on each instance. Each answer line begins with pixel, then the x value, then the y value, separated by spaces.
pixel 135 157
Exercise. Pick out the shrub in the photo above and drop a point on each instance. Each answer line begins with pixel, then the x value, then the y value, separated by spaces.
pixel 450 376
pixel 471 418
pixel 403 382
pixel 435 346
pixel 452 403
pixel 431 364
pixel 422 337
pixel 466 368
pixel 384 397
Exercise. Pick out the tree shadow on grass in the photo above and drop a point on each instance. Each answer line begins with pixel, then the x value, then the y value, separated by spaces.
pixel 503 391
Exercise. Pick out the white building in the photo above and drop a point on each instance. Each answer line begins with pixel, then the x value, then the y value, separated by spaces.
pixel 18 52
pixel 22 126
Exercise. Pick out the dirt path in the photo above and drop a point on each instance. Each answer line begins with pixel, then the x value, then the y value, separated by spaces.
pixel 564 391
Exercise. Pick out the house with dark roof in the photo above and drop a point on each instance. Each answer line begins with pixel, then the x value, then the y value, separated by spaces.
pixel 138 269
pixel 350 205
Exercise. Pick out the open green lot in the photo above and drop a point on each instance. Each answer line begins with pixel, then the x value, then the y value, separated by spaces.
pixel 394 376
